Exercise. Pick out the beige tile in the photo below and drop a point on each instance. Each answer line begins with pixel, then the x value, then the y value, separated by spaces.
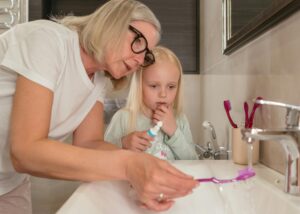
pixel 267 66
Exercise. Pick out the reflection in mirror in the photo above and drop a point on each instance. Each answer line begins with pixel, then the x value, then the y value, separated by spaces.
pixel 242 12
pixel 246 19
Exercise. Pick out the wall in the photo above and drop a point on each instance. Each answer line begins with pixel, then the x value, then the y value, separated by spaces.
pixel 268 67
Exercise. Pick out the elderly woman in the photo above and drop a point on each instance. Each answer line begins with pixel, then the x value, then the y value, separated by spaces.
pixel 52 84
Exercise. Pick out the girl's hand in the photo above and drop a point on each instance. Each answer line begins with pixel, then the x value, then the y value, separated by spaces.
pixel 138 141
pixel 165 114
pixel 151 177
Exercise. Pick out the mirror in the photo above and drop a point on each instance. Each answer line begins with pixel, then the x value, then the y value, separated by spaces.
pixel 244 20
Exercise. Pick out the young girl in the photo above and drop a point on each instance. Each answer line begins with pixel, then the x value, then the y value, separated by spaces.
pixel 155 95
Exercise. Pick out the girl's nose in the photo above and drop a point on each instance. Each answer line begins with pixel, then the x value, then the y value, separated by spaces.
pixel 163 93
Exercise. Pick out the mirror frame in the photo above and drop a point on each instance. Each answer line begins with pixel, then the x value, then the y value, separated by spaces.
pixel 279 10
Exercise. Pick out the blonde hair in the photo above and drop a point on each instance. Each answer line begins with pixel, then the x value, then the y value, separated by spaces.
pixel 135 104
pixel 105 29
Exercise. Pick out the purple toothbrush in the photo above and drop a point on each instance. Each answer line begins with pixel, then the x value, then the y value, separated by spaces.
pixel 244 174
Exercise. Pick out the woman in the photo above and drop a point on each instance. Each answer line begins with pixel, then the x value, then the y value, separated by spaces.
pixel 52 80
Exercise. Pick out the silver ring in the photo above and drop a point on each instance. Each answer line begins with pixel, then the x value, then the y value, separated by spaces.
pixel 161 197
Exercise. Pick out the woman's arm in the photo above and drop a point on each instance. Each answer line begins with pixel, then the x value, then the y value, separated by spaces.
pixel 34 153
pixel 89 134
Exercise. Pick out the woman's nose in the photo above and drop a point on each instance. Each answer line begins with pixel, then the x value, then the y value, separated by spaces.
pixel 140 58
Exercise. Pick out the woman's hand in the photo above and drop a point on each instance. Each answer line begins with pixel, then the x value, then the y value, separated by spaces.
pixel 165 114
pixel 156 182
pixel 138 141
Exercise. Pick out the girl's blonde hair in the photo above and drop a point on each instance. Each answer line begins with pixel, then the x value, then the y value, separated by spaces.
pixel 135 104
pixel 105 29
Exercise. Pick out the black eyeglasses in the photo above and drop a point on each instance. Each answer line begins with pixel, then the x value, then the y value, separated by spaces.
pixel 140 45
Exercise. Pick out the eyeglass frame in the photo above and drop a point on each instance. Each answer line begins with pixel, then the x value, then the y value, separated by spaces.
pixel 146 49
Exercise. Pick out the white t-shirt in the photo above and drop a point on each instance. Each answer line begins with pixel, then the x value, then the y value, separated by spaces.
pixel 48 54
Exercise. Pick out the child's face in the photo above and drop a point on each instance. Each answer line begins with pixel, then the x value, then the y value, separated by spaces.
pixel 160 84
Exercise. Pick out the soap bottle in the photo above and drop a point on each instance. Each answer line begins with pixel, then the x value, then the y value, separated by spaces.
pixel 157 148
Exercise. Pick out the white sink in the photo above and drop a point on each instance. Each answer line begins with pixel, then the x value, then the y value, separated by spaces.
pixel 261 194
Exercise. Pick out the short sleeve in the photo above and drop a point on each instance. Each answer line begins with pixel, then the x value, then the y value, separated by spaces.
pixel 102 83
pixel 37 56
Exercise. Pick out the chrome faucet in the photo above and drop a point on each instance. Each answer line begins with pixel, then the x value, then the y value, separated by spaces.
pixel 292 113
pixel 288 137
pixel 212 150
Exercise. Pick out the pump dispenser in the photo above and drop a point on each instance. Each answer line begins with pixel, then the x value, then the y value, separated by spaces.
pixel 154 130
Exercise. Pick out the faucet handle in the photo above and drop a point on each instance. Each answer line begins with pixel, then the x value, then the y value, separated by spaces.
pixel 292 114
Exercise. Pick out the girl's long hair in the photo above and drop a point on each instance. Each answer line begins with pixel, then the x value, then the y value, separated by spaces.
pixel 135 105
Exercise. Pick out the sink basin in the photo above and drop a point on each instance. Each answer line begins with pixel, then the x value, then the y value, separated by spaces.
pixel 261 194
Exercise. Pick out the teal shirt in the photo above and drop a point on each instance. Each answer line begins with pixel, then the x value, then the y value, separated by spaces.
pixel 180 146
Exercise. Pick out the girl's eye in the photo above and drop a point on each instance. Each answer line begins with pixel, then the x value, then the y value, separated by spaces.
pixel 172 86
pixel 153 86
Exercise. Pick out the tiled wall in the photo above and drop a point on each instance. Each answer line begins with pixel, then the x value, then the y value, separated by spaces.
pixel 269 66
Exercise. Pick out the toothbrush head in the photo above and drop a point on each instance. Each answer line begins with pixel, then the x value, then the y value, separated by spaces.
pixel 245 174
pixel 227 105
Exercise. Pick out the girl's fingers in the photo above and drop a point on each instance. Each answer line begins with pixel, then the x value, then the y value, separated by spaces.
pixel 141 147
pixel 143 135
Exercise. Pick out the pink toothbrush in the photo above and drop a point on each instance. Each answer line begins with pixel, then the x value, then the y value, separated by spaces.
pixel 251 118
pixel 246 109
pixel 244 174
pixel 227 107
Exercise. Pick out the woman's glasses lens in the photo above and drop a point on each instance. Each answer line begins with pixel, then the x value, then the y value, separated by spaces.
pixel 139 45
pixel 149 59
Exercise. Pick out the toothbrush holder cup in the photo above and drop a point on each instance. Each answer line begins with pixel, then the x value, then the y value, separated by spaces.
pixel 240 148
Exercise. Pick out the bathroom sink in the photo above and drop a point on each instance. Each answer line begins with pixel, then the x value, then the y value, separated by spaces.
pixel 261 194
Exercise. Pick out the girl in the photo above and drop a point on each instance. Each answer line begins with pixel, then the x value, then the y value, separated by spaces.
pixel 155 95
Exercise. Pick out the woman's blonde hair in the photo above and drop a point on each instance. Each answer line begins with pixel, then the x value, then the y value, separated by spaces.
pixel 105 29
pixel 135 104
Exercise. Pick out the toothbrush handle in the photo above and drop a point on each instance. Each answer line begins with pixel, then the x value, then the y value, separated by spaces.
pixel 246 109
pixel 230 120
pixel 205 179
pixel 251 118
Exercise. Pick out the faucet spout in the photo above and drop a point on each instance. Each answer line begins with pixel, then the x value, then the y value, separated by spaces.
pixel 289 139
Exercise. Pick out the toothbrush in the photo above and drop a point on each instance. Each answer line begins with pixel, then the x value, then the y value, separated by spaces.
pixel 243 174
pixel 227 107
pixel 246 110
pixel 255 106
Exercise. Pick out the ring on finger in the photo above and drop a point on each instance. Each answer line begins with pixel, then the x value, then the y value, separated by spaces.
pixel 161 197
